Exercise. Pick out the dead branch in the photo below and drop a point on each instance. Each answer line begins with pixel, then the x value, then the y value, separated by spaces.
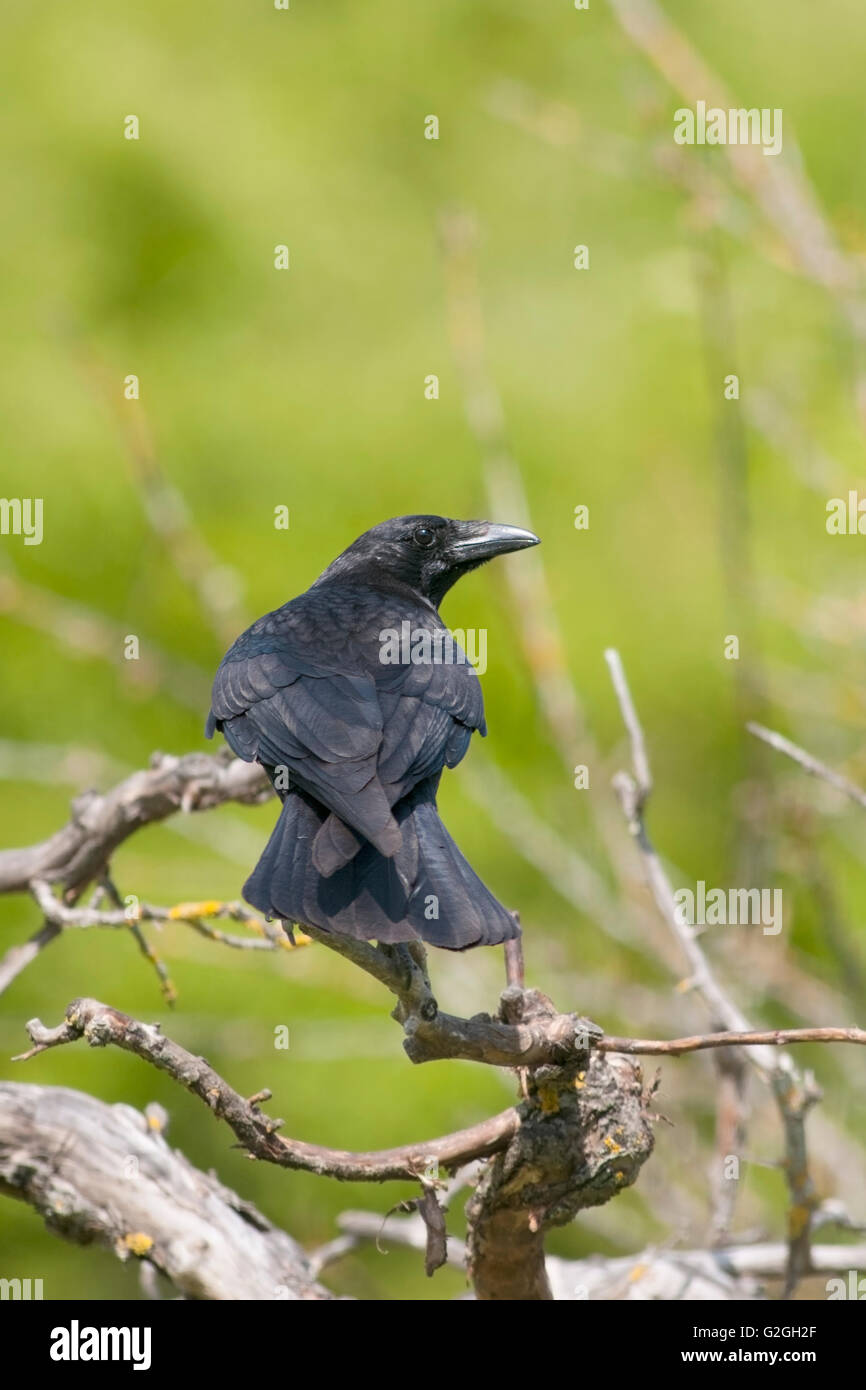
pixel 102 1026
pixel 196 915
pixel 699 1042
pixel 103 1174
pixel 783 192
pixel 80 852
pixel 794 1094
pixel 811 765
pixel 552 1156
pixel 728 1273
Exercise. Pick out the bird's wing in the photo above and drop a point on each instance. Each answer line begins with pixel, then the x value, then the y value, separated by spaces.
pixel 430 711
pixel 280 701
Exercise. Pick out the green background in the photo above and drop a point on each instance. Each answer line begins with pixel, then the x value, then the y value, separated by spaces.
pixel 306 389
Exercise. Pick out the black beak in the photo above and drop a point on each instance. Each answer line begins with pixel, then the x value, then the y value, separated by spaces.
pixel 481 540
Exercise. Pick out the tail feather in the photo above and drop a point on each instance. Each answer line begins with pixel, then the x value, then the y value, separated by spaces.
pixel 426 891
pixel 334 845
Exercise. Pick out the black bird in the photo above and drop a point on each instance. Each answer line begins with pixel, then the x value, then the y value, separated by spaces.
pixel 355 740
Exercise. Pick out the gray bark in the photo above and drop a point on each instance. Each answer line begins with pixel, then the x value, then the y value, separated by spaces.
pixel 102 1174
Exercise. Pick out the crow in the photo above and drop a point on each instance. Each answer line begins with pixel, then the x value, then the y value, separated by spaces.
pixel 354 697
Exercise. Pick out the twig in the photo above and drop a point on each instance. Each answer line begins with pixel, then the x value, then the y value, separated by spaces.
pixel 632 794
pixel 166 984
pixel 699 1042
pixel 195 914
pixel 633 728
pixel 779 187
pixel 331 1252
pixel 17 958
pixel 794 1094
pixel 809 763
pixel 730 1139
pixel 101 1026
pixel 727 1273
pixel 78 854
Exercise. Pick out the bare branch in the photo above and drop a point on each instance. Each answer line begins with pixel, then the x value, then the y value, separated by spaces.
pixel 728 1273
pixel 80 852
pixel 782 191
pixel 640 760
pixel 730 1138
pixel 196 915
pixel 103 1173
pixel 632 797
pixel 18 957
pixel 808 763
pixel 699 1042
pixel 102 1026
pixel 794 1094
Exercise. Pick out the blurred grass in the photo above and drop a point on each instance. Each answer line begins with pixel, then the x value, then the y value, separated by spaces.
pixel 306 389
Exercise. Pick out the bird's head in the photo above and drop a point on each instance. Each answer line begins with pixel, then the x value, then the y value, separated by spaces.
pixel 428 554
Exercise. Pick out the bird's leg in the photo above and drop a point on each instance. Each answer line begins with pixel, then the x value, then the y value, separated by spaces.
pixel 416 995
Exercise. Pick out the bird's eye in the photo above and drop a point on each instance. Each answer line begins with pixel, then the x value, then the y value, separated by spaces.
pixel 423 536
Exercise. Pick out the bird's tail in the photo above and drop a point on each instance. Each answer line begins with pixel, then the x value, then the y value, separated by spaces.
pixel 425 891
